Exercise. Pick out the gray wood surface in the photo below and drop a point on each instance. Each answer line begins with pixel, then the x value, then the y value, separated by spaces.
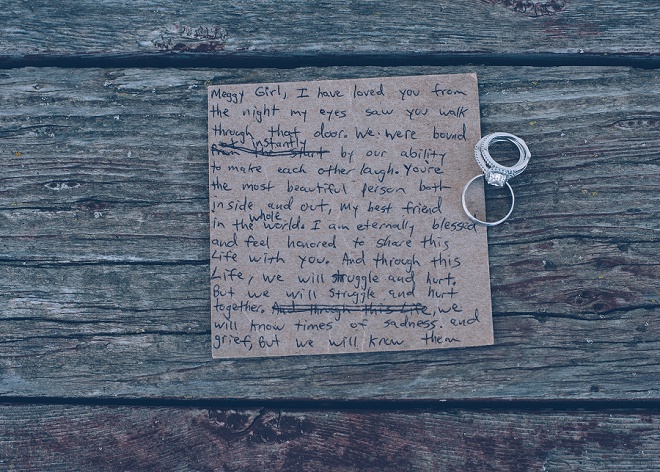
pixel 104 244
pixel 63 438
pixel 105 349
pixel 42 31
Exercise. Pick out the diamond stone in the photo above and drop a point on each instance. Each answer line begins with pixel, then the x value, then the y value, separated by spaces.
pixel 496 179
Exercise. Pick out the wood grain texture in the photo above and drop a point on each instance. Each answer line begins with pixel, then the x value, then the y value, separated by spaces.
pixel 40 30
pixel 104 244
pixel 67 438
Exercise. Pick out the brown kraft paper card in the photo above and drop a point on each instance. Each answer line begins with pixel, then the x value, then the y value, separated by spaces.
pixel 336 217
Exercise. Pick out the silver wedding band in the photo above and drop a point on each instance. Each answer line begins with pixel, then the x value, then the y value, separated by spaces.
pixel 494 173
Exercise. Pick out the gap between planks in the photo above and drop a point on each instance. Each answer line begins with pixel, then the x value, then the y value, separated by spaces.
pixel 294 61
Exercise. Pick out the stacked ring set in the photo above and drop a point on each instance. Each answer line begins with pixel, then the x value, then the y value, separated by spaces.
pixel 494 173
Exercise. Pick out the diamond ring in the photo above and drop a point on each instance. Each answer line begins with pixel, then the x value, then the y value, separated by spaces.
pixel 494 173
pixel 497 174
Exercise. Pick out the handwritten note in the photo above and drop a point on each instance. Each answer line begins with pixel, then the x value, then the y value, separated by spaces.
pixel 336 217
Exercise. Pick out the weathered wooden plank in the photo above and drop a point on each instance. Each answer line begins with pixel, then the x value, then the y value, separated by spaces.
pixel 79 145
pixel 334 30
pixel 39 437
pixel 104 254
